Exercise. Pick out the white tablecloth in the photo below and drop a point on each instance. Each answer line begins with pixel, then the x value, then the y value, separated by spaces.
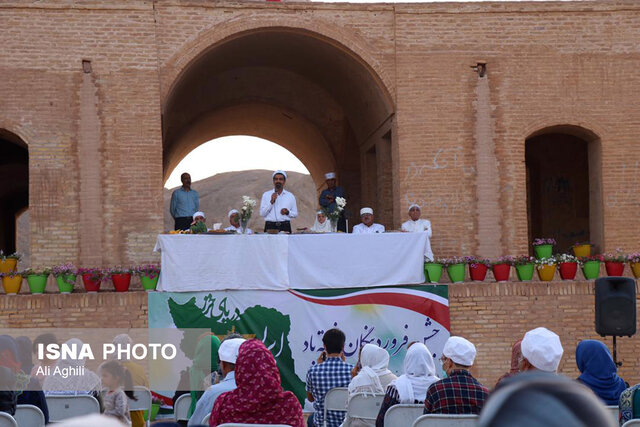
pixel 277 262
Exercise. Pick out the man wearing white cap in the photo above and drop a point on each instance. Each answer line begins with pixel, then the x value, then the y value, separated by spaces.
pixel 227 353
pixel 542 350
pixel 278 206
pixel 184 202
pixel 367 226
pixel 234 220
pixel 418 225
pixel 198 225
pixel 459 393
pixel 328 198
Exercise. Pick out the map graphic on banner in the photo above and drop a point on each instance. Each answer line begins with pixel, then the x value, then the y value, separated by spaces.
pixel 291 323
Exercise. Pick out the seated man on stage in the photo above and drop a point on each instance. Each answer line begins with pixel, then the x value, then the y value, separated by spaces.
pixel 416 225
pixel 278 206
pixel 234 220
pixel 199 223
pixel 367 226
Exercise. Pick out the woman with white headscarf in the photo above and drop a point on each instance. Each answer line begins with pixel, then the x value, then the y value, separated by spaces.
pixel 80 381
pixel 411 387
pixel 322 224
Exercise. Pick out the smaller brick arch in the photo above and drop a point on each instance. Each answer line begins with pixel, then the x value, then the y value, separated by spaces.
pixel 14 185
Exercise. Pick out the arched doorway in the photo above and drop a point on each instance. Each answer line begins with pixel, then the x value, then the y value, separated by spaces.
pixel 299 89
pixel 564 186
pixel 14 186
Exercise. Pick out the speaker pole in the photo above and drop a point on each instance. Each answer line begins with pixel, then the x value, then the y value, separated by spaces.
pixel 615 353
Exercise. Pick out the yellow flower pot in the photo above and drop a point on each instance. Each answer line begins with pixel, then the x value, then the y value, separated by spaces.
pixel 547 272
pixel 635 268
pixel 582 250
pixel 13 284
pixel 8 265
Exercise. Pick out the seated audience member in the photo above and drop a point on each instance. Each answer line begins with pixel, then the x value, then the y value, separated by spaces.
pixel 227 354
pixel 330 371
pixel 415 225
pixel 410 387
pixel 205 362
pixel 322 224
pixel 629 404
pixel 32 394
pixel 86 382
pixel 44 339
pixel 198 225
pixel 367 226
pixel 538 398
pixel 9 374
pixel 259 397
pixel 459 393
pixel 542 350
pixel 598 371
pixel 516 359
pixel 234 220
pixel 138 376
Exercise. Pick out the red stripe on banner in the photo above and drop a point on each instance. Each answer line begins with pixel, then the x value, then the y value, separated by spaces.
pixel 433 309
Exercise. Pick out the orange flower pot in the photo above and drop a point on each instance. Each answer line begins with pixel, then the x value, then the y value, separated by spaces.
pixel 547 272
pixel 13 284
pixel 635 268
pixel 582 250
pixel 8 265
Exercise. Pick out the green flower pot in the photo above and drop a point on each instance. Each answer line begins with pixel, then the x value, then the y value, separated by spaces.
pixel 432 272
pixel 543 251
pixel 456 273
pixel 525 272
pixel 591 270
pixel 155 407
pixel 66 283
pixel 149 284
pixel 37 283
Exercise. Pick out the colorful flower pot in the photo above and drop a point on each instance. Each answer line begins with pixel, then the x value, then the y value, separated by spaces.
pixel 543 251
pixel 614 268
pixel 501 272
pixel 456 273
pixel 582 250
pixel 524 272
pixel 149 284
pixel 90 285
pixel 155 408
pixel 432 272
pixel 591 269
pixel 546 272
pixel 477 272
pixel 568 270
pixel 121 282
pixel 37 283
pixel 12 285
pixel 66 283
pixel 8 265
pixel 635 269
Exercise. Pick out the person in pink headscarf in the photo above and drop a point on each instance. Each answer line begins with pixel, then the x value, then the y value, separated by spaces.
pixel 258 398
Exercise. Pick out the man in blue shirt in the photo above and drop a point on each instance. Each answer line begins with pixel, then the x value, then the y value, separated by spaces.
pixel 184 203
pixel 328 198
pixel 331 371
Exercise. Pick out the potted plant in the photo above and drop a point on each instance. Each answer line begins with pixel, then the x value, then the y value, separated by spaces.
pixel 433 270
pixel 543 247
pixel 614 263
pixel 546 268
pixel 634 263
pixel 582 249
pixel 524 267
pixel 121 278
pixel 502 268
pixel 65 275
pixel 568 266
pixel 455 269
pixel 91 278
pixel 591 266
pixel 11 282
pixel 477 267
pixel 37 279
pixel 149 275
pixel 8 263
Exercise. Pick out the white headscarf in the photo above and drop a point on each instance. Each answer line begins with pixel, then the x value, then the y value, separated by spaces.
pixel 84 383
pixel 375 363
pixel 325 227
pixel 419 374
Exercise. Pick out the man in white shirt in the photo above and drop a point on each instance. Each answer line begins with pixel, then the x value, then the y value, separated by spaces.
pixel 367 226
pixel 278 206
pixel 234 220
pixel 417 225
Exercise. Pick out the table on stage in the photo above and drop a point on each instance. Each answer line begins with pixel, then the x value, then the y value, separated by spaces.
pixel 298 261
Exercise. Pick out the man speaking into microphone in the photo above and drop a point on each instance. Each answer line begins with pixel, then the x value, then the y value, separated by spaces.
pixel 278 206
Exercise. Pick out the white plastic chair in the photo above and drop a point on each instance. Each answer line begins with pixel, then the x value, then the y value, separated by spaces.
pixel 252 425
pixel 335 400
pixel 403 415
pixel 446 420
pixel 205 420
pixel 614 411
pixel 364 406
pixel 63 407
pixel 632 423
pixel 7 420
pixel 181 407
pixel 144 399
pixel 29 416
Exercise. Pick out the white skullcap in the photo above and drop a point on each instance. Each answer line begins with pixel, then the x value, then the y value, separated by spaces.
pixel 231 212
pixel 460 350
pixel 283 173
pixel 320 212
pixel 366 211
pixel 330 175
pixel 542 348
pixel 197 214
pixel 228 351
pixel 413 205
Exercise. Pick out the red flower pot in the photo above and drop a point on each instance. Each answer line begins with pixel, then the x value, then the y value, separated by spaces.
pixel 568 270
pixel 90 285
pixel 614 268
pixel 501 272
pixel 477 272
pixel 121 282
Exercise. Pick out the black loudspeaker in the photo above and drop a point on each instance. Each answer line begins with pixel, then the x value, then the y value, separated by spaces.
pixel 615 306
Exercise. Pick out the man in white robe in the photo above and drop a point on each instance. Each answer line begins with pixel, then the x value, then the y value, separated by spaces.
pixel 367 226
pixel 234 220
pixel 418 225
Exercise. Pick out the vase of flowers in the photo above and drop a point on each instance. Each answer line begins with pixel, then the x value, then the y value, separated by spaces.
pixel 8 263
pixel 91 278
pixel 121 278
pixel 546 268
pixel 334 215
pixel 614 263
pixel 502 268
pixel 568 266
pixel 248 204
pixel 543 247
pixel 582 249
pixel 524 267
pixel 634 263
pixel 455 269
pixel 591 266
pixel 37 279
pixel 433 270
pixel 11 282
pixel 149 275
pixel 477 268
pixel 65 275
